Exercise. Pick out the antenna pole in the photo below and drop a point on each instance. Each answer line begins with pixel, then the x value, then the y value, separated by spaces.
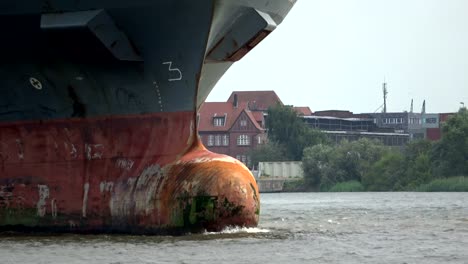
pixel 385 92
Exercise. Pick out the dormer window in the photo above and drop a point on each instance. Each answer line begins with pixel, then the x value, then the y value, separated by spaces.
pixel 218 121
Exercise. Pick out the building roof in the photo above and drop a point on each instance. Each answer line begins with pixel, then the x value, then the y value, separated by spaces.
pixel 258 100
pixel 338 118
pixel 303 110
pixel 208 110
pixel 252 118
pixel 388 114
pixel 364 133
pixel 334 113
pixel 258 116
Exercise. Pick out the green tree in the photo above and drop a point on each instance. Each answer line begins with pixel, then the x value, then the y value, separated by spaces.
pixel 286 128
pixel 325 166
pixel 417 165
pixel 385 173
pixel 450 154
pixel 354 158
pixel 418 172
pixel 272 151
pixel 317 166
pixel 417 147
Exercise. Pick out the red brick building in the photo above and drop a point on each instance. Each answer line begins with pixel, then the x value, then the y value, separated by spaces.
pixel 237 126
pixel 228 129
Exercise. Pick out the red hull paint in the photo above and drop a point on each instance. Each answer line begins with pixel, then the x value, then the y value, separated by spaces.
pixel 136 174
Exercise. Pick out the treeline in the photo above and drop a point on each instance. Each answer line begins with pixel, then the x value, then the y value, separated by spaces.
pixel 367 165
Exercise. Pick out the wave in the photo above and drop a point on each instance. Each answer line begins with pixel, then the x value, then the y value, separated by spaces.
pixel 240 230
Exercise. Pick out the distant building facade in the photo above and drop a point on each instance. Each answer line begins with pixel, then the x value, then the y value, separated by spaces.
pixel 230 129
pixel 417 125
pixel 237 126
pixel 341 125
pixel 392 122
pixel 388 139
pixel 330 123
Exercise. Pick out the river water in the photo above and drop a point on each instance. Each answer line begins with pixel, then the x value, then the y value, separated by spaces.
pixel 294 228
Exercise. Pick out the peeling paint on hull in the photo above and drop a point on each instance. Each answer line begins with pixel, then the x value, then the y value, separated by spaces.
pixel 54 189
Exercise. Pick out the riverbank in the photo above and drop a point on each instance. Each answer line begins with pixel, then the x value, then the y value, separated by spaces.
pixel 451 184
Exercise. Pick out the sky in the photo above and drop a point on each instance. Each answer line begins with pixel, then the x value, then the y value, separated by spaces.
pixel 335 54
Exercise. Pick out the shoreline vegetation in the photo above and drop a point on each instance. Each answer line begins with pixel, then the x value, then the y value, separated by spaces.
pixel 452 184
pixel 367 165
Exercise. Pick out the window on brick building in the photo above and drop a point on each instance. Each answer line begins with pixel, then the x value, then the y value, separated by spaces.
pixel 217 140
pixel 225 140
pixel 218 121
pixel 210 140
pixel 243 140
pixel 243 123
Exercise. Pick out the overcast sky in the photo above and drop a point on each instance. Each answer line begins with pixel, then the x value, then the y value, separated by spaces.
pixel 335 54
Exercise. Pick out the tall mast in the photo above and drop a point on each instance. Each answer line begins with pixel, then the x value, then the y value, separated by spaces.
pixel 385 92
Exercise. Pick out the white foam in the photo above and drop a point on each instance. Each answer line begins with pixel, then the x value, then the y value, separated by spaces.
pixel 240 230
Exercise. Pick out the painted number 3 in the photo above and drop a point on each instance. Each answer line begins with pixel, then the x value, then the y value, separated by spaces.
pixel 175 71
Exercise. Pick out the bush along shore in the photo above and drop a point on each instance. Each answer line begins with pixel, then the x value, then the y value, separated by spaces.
pixel 452 184
pixel 366 165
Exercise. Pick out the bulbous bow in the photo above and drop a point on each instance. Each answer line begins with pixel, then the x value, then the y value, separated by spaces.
pixel 211 192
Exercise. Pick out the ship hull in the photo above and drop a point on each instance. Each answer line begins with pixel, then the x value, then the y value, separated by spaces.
pixel 119 174
pixel 98 123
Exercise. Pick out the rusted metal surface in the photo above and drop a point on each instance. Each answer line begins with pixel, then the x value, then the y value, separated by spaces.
pixel 225 187
pixel 137 174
